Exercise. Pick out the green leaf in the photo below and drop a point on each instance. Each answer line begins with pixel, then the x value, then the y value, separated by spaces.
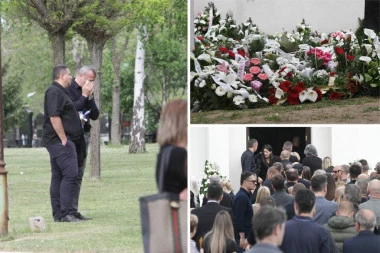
pixel 374 85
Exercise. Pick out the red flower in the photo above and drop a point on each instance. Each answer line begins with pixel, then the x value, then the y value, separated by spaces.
pixel 223 49
pixel 299 87
pixel 285 85
pixel 273 100
pixel 272 91
pixel 332 73
pixel 282 69
pixel 334 95
pixel 293 96
pixel 241 52
pixel 350 57
pixel 319 93
pixel 290 75
pixel 339 50
pixel 324 41
pixel 231 54
pixel 200 38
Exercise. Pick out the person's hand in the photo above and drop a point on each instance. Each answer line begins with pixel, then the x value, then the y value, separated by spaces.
pixel 183 195
pixel 242 242
pixel 64 141
pixel 88 88
pixel 259 180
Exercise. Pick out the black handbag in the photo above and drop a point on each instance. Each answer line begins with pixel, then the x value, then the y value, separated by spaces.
pixel 164 217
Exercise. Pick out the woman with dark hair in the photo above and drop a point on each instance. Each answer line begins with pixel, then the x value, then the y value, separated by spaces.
pixel 312 160
pixel 330 194
pixel 306 173
pixel 265 160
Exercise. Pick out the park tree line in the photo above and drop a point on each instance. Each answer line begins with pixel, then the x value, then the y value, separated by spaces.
pixel 138 47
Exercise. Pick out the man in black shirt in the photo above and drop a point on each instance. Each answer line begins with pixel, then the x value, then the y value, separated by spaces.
pixel 63 138
pixel 80 91
pixel 248 157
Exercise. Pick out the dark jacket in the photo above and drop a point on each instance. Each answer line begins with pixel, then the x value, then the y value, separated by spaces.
pixel 83 104
pixel 226 201
pixel 314 162
pixel 248 161
pixel 262 166
pixel 341 228
pixel 365 241
pixel 242 212
pixel 206 216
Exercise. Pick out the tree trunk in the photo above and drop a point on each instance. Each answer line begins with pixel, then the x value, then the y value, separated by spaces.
pixel 115 123
pixel 58 43
pixel 96 53
pixel 78 48
pixel 138 121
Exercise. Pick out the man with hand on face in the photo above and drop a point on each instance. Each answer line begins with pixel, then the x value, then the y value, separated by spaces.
pixel 81 93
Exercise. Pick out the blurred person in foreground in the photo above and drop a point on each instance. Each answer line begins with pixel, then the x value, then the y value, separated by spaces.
pixel 172 132
pixel 269 227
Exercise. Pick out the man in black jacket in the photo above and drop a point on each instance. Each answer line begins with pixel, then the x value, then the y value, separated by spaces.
pixel 206 214
pixel 81 92
pixel 248 157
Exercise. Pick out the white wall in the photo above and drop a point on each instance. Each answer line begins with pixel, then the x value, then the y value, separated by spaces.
pixel 321 139
pixel 352 143
pixel 273 16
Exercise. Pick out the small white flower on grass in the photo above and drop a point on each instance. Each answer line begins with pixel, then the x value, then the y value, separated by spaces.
pixel 220 91
pixel 238 100
pixel 252 98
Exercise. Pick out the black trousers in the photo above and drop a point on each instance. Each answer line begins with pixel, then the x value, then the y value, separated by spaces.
pixel 64 173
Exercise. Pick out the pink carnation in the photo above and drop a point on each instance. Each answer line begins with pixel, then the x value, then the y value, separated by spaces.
pixel 247 77
pixel 262 76
pixel 255 70
pixel 255 61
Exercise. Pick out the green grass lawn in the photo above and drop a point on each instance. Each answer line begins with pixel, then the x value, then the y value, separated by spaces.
pixel 112 202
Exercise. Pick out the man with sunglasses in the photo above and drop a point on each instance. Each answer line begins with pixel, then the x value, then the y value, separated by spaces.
pixel 242 209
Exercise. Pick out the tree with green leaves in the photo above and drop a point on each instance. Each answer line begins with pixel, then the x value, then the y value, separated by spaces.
pixel 99 22
pixel 56 17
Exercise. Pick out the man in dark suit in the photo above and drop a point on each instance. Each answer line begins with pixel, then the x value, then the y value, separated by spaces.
pixel 206 214
pixel 366 240
pixel 226 200
pixel 248 157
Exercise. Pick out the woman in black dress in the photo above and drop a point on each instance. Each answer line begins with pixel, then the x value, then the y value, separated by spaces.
pixel 265 160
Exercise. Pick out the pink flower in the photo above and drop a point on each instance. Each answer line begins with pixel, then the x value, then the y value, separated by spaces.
pixel 262 76
pixel 255 70
pixel 255 61
pixel 247 77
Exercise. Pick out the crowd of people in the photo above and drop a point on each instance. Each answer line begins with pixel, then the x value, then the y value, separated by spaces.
pixel 289 204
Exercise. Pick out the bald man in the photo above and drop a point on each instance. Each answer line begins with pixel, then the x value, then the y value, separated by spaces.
pixel 374 202
pixel 366 240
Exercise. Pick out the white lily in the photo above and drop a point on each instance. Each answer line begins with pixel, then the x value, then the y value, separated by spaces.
pixel 205 57
pixel 370 33
pixel 368 48
pixel 279 93
pixel 358 78
pixel 365 59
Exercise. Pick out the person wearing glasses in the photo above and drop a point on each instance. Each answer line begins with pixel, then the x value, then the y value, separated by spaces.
pixel 337 173
pixel 242 209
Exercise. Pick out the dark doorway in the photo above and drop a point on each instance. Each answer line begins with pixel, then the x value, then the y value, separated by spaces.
pixel 276 136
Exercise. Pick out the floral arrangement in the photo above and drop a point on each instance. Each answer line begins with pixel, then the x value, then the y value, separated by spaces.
pixel 237 66
pixel 210 169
